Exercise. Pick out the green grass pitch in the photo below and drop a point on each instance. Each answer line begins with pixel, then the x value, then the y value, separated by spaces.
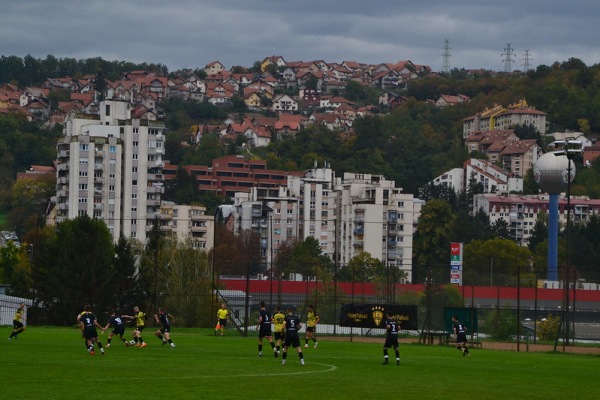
pixel 52 363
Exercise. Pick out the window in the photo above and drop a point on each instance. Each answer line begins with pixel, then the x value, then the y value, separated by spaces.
pixel 134 182
pixel 135 156
pixel 83 161
pixel 134 196
pixel 111 188
pixel 83 173
pixel 135 143
pixel 136 130
pixel 83 147
pixel 83 199
pixel 112 149
pixel 107 110
pixel 83 186
pixel 134 169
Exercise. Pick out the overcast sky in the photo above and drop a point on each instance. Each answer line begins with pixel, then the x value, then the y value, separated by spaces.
pixel 192 33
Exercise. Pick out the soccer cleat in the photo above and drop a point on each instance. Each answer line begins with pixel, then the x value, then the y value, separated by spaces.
pixel 302 361
pixel 282 363
pixel 469 355
pixel 260 353
pixel 386 361
pixel 164 342
pixel 172 344
pixel 107 345
pixel 315 346
pixel 306 345
pixel 464 351
pixel 397 362
pixel 102 351
pixel 275 353
pixel 144 344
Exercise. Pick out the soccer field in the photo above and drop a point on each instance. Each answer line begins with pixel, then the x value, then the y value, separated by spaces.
pixel 52 363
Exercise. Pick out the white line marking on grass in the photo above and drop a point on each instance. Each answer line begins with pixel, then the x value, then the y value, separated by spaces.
pixel 330 368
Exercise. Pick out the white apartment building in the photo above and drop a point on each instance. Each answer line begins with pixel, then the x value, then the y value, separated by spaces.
pixel 501 118
pixel 185 222
pixel 492 178
pixel 349 215
pixel 521 212
pixel 109 167
pixel 376 217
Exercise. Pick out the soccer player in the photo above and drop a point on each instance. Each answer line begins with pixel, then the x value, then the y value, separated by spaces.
pixel 88 324
pixel 279 331
pixel 391 338
pixel 164 333
pixel 140 324
pixel 118 325
pixel 291 325
pixel 264 329
pixel 312 319
pixel 18 320
pixel 460 336
pixel 223 316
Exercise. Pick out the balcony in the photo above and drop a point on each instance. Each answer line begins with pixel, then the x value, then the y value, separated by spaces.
pixel 358 244
pixel 392 243
pixel 97 206
pixel 359 232
pixel 98 167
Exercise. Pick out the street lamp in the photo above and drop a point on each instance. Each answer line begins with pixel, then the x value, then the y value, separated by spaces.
pixel 570 147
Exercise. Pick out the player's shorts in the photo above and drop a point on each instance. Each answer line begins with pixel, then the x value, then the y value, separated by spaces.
pixel 311 328
pixel 265 332
pixel 292 340
pixel 165 329
pixel 140 328
pixel 279 335
pixel 391 341
pixel 461 338
pixel 17 324
pixel 90 333
pixel 223 322
pixel 118 330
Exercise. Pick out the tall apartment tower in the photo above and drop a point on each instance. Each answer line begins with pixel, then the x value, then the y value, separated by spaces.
pixel 349 215
pixel 109 167
pixel 376 217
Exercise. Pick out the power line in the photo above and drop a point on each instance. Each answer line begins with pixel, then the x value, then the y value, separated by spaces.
pixel 508 56
pixel 446 57
pixel 527 61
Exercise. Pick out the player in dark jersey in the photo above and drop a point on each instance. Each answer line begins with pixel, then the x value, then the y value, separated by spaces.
pixel 264 329
pixel 88 324
pixel 18 319
pixel 164 333
pixel 391 338
pixel 291 325
pixel 117 321
pixel 460 336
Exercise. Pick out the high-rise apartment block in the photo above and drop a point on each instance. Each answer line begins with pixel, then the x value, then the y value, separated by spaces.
pixel 347 215
pixel 109 167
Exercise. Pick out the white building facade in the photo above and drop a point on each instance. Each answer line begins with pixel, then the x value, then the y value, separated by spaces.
pixel 109 167
pixel 349 215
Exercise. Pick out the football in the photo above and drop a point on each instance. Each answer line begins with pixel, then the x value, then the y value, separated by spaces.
pixel 131 342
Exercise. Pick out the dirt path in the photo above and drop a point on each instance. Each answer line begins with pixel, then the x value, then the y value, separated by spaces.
pixel 523 347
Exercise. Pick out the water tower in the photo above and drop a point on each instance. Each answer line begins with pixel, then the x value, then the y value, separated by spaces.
pixel 554 173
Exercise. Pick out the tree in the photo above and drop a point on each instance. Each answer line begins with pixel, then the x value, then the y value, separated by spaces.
pixel 500 257
pixel 432 241
pixel 75 266
pixel 307 259
pixel 15 268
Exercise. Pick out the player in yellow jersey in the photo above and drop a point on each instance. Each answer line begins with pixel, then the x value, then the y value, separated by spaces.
pixel 223 316
pixel 18 319
pixel 278 319
pixel 140 324
pixel 312 319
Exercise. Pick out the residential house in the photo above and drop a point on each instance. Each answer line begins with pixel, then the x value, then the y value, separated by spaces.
pixel 449 100
pixel 213 68
pixel 288 125
pixel 284 104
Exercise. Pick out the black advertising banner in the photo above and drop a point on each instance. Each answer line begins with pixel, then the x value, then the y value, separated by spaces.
pixel 374 315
